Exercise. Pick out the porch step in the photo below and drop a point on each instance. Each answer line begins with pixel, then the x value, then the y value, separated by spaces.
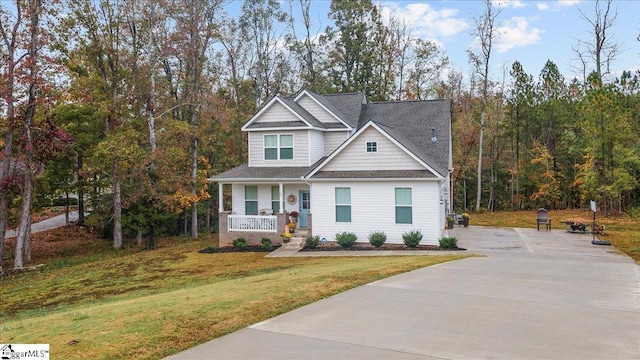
pixel 297 239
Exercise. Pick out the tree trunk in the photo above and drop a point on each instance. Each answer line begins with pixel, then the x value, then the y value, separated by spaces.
pixel 4 192
pixel 80 191
pixel 117 208
pixel 25 215
pixel 139 238
pixel 66 209
pixel 194 188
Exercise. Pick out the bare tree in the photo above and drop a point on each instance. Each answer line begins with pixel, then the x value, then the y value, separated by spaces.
pixel 485 32
pixel 603 49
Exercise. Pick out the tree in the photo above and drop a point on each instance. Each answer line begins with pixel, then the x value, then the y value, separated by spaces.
pixel 360 49
pixel 520 107
pixel 604 49
pixel 259 20
pixel 485 32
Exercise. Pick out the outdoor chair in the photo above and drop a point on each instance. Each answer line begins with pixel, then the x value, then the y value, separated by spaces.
pixel 543 218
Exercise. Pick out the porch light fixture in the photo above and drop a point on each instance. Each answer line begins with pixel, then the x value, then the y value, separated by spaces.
pixel 433 135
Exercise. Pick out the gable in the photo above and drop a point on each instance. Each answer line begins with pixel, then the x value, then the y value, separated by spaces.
pixel 316 110
pixel 276 113
pixel 388 155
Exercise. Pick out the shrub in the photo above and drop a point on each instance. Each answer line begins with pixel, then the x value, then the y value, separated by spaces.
pixel 412 238
pixel 265 243
pixel 377 238
pixel 346 239
pixel 449 242
pixel 311 242
pixel 240 244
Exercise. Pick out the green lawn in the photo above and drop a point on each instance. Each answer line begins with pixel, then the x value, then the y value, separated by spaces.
pixel 150 304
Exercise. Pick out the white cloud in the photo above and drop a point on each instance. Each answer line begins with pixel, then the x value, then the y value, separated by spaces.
pixel 516 4
pixel 516 33
pixel 427 22
pixel 543 6
pixel 568 2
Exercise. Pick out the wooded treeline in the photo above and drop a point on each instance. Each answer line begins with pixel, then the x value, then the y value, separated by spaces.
pixel 131 105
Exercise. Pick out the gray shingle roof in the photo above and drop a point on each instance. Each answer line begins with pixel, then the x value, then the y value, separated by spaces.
pixel 374 174
pixel 410 123
pixel 277 124
pixel 244 172
pixel 346 106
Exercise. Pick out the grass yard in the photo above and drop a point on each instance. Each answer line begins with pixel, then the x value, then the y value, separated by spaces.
pixel 622 231
pixel 90 301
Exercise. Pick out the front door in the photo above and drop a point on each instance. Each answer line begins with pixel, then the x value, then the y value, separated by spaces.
pixel 305 206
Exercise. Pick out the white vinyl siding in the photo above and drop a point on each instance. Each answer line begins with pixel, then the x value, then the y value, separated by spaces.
pixel 333 139
pixel 389 156
pixel 316 110
pixel 276 113
pixel 316 146
pixel 373 209
pixel 300 149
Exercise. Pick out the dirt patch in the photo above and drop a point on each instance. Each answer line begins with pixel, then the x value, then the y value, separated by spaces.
pixel 333 246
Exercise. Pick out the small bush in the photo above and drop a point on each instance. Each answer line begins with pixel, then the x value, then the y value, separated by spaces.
pixel 412 238
pixel 311 242
pixel 449 242
pixel 377 238
pixel 240 244
pixel 208 250
pixel 346 239
pixel 265 243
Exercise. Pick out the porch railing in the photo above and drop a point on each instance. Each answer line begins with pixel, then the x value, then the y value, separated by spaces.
pixel 253 223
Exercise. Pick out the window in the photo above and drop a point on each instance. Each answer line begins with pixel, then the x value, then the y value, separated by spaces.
pixel 278 147
pixel 286 147
pixel 275 199
pixel 271 147
pixel 372 146
pixel 343 204
pixel 404 211
pixel 251 200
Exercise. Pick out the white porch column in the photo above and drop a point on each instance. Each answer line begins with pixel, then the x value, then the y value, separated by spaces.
pixel 281 190
pixel 220 201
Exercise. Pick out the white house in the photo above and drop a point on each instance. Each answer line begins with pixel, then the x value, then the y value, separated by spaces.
pixel 344 165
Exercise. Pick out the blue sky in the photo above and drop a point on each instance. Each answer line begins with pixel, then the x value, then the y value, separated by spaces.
pixel 531 32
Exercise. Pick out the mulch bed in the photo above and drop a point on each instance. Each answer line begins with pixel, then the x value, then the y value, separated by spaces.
pixel 333 246
pixel 228 249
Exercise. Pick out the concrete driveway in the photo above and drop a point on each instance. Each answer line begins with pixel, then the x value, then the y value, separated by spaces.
pixel 534 295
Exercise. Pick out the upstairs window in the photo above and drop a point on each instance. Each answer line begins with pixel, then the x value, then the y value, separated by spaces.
pixel 278 147
pixel 372 146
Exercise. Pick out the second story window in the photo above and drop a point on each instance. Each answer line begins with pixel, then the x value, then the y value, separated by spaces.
pixel 278 147
pixel 372 146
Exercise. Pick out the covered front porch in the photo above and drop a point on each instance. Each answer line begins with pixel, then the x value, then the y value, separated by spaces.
pixel 262 209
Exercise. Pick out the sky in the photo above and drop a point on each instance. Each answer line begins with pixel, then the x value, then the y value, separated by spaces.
pixel 530 32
